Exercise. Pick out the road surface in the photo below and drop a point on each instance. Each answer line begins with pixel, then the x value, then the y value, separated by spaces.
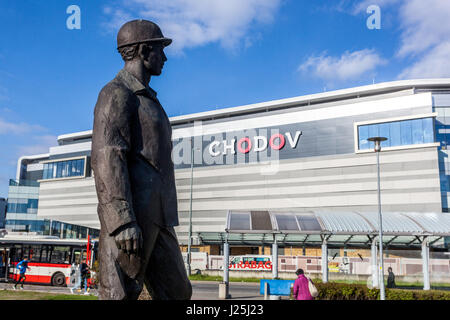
pixel 201 290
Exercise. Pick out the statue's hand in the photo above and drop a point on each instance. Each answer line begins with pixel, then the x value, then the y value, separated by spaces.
pixel 129 239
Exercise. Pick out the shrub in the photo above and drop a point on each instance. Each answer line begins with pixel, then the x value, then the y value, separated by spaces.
pixel 341 291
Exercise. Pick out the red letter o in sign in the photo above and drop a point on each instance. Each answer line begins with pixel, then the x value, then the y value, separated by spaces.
pixel 249 145
pixel 282 141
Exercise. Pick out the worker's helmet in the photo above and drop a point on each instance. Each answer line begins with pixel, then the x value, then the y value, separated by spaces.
pixel 139 31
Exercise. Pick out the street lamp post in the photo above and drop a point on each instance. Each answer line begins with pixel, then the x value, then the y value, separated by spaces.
pixel 377 141
pixel 190 213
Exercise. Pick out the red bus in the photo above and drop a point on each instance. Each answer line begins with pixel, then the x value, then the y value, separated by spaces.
pixel 50 259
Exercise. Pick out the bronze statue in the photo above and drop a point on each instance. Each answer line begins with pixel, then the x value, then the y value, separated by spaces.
pixel 134 176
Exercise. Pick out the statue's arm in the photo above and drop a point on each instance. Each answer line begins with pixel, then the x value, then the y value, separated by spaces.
pixel 110 149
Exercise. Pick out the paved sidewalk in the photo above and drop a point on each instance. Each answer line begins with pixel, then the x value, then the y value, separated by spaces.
pixel 202 290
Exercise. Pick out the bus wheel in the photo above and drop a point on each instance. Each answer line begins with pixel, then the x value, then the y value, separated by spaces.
pixel 58 279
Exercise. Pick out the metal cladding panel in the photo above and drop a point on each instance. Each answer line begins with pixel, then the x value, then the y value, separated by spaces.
pixel 394 222
pixel 344 222
pixel 431 222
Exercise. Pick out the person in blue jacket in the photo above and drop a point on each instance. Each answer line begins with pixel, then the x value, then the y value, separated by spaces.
pixel 22 266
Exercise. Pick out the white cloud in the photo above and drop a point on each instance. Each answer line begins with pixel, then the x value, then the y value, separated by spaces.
pixel 425 37
pixel 424 24
pixel 434 64
pixel 424 28
pixel 18 128
pixel 41 145
pixel 349 66
pixel 196 23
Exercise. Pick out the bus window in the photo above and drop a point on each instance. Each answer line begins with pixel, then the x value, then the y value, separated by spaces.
pixel 16 253
pixel 76 256
pixel 35 253
pixel 45 254
pixel 59 255
pixel 26 252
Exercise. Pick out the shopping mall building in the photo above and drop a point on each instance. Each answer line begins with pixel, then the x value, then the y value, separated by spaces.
pixel 307 154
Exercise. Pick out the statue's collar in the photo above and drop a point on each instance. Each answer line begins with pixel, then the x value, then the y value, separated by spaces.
pixel 135 85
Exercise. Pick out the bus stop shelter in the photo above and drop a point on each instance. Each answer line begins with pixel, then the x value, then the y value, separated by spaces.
pixel 333 229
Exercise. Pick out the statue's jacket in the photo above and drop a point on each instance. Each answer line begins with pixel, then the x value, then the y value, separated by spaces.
pixel 131 157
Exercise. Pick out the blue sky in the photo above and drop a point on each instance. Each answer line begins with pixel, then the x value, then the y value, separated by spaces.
pixel 225 53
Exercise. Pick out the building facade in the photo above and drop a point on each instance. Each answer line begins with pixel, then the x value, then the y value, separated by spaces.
pixel 303 154
pixel 3 205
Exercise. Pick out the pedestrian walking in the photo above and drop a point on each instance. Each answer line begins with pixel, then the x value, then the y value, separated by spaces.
pixel 301 286
pixel 391 279
pixel 22 266
pixel 84 272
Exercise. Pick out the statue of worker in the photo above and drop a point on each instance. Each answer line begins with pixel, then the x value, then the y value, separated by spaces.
pixel 134 176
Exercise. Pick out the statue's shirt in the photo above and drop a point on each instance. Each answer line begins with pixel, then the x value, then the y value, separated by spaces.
pixel 131 156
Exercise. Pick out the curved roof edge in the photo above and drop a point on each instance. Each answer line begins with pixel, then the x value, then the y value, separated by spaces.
pixel 394 223
pixel 318 97
pixel 372 89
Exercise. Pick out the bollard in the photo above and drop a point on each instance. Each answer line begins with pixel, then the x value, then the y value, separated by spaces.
pixel 223 291
pixel 266 290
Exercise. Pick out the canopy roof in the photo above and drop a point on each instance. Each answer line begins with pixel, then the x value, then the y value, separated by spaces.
pixel 338 228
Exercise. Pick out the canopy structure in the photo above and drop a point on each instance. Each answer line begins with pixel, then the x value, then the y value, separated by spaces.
pixel 333 229
pixel 349 229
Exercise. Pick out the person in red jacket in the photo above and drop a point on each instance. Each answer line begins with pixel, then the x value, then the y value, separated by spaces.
pixel 301 288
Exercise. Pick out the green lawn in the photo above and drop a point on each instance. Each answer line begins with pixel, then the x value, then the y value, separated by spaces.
pixel 31 295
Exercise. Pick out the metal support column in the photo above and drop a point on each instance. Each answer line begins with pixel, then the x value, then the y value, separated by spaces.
pixel 425 264
pixel 324 261
pixel 224 286
pixel 275 258
pixel 374 262
pixel 190 214
pixel 274 264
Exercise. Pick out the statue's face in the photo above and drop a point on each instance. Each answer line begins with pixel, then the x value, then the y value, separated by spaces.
pixel 155 59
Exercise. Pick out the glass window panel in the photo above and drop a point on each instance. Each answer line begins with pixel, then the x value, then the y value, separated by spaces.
pixel 417 131
pixel 70 169
pixel 66 169
pixel 58 166
pixel 406 132
pixel 16 253
pixel 363 134
pixel 384 132
pixel 286 222
pixel 395 137
pixel 81 164
pixel 428 134
pixel 26 252
pixel 60 255
pixel 35 253
pixel 32 203
pixel 308 223
pixel 45 173
pixel 45 254
pixel 54 170
pixel 373 132
pixel 240 221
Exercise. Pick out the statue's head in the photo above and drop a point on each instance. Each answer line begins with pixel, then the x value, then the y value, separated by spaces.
pixel 142 40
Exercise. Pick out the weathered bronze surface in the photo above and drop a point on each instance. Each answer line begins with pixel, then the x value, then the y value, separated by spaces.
pixel 134 176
